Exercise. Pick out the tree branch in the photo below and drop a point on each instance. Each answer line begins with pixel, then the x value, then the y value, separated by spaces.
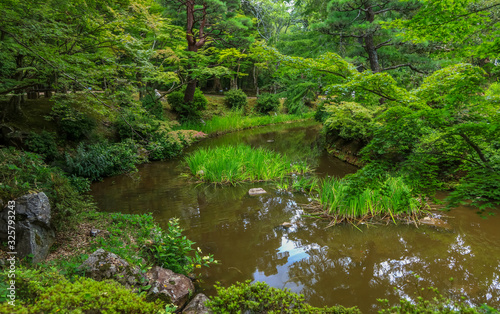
pixel 477 149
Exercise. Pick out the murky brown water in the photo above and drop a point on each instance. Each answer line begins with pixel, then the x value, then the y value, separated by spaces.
pixel 338 265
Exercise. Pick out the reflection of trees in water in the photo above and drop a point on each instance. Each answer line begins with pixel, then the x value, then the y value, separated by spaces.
pixel 247 240
pixel 364 266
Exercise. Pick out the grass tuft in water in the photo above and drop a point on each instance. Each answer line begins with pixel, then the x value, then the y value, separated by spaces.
pixel 393 200
pixel 232 164
pixel 236 121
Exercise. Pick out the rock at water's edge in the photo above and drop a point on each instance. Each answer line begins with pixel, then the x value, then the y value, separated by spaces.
pixel 197 305
pixel 169 286
pixel 33 234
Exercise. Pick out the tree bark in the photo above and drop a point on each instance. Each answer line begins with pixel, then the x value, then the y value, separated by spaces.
pixel 255 80
pixel 372 53
pixel 369 46
pixel 191 85
pixel 193 44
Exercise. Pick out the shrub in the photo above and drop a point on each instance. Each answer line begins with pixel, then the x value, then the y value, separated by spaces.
pixel 260 298
pixel 162 146
pixel 235 98
pixel 130 234
pixel 136 123
pixel 320 114
pixel 24 172
pixel 30 283
pixel 267 103
pixel 350 119
pixel 300 96
pixel 43 144
pixel 71 123
pixel 191 111
pixel 231 164
pixel 172 250
pixel 86 295
pixel 152 105
pixel 480 188
pixel 103 159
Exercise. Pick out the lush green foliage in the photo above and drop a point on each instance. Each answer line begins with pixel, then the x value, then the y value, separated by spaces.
pixel 86 295
pixel 172 250
pixel 267 103
pixel 342 199
pixel 349 119
pixel 260 298
pixel 300 96
pixel 136 123
pixel 235 98
pixel 232 164
pixel 152 105
pixel 103 159
pixel 72 124
pixel 23 172
pixel 48 291
pixel 162 146
pixel 43 144
pixel 188 111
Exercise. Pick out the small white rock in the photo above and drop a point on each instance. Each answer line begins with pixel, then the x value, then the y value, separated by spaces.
pixel 256 191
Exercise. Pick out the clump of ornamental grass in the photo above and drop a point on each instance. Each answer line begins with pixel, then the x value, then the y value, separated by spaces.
pixel 236 121
pixel 392 200
pixel 241 163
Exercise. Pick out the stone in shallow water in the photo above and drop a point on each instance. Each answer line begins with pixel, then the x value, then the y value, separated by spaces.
pixel 436 222
pixel 256 191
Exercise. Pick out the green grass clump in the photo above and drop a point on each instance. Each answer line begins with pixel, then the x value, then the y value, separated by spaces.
pixel 236 121
pixel 392 198
pixel 232 164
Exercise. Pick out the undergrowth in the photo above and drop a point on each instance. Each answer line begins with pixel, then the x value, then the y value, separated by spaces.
pixel 261 298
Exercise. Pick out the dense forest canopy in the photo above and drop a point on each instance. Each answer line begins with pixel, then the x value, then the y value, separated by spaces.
pixel 414 81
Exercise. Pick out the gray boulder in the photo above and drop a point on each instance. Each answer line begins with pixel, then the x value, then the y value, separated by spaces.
pixel 33 233
pixel 105 265
pixel 197 305
pixel 169 286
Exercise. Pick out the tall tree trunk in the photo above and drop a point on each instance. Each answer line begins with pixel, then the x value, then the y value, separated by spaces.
pixel 372 53
pixel 191 85
pixel 193 44
pixel 255 80
pixel 217 85
pixel 234 82
pixel 368 38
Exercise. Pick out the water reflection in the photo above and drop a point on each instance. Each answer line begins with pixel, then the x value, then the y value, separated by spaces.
pixel 337 265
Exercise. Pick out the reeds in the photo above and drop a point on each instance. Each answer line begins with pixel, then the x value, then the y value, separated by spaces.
pixel 232 164
pixel 393 200
pixel 236 121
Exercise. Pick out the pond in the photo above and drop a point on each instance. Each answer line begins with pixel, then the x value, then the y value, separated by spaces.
pixel 335 265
